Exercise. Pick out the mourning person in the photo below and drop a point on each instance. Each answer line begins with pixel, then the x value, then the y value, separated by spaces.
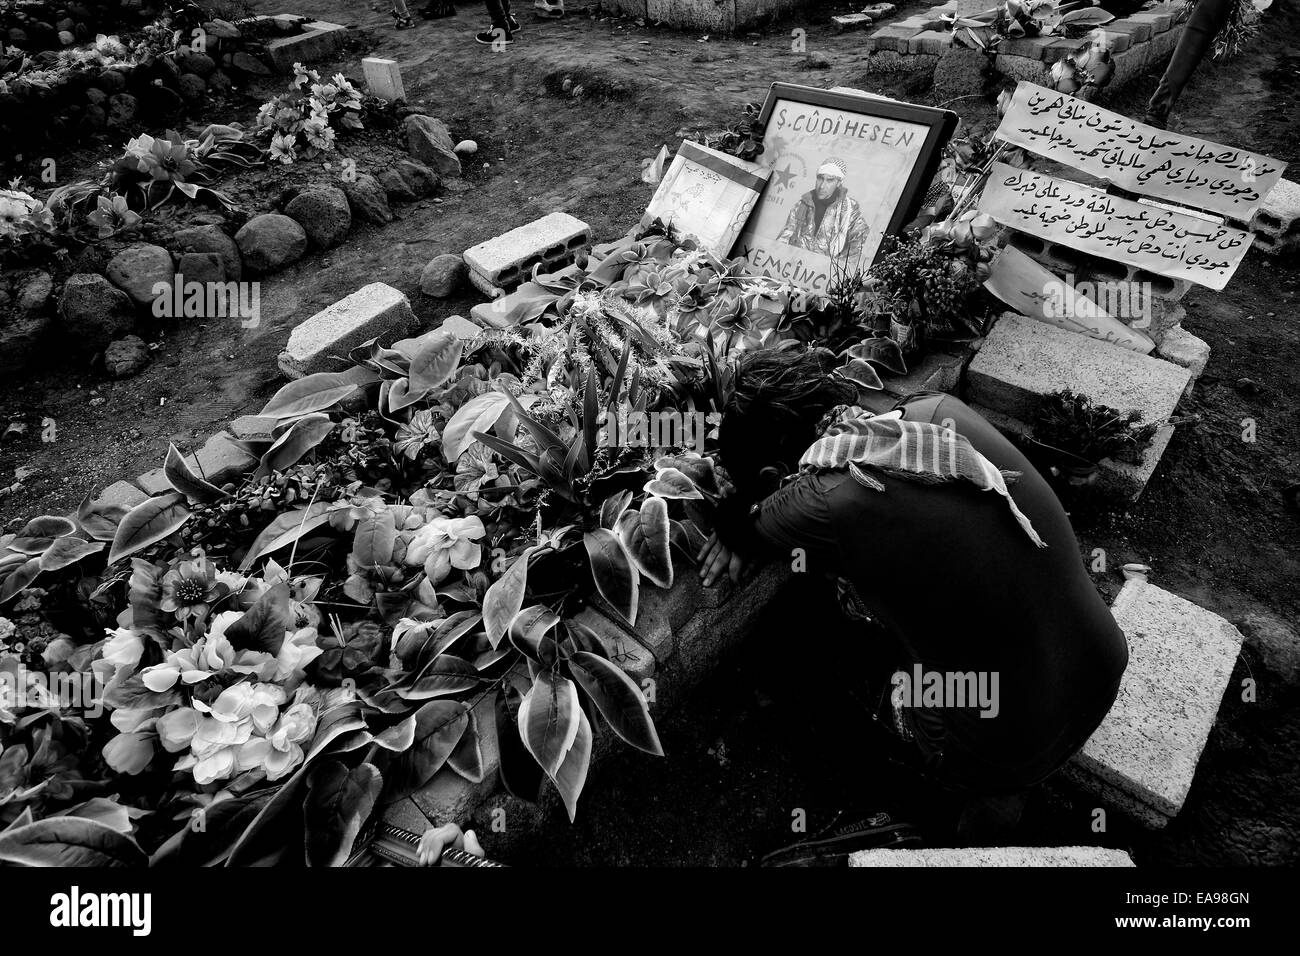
pixel 826 219
pixel 952 544
pixel 504 25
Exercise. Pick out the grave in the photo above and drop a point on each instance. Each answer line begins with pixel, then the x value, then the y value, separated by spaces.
pixel 318 40
pixel 383 78
pixel 1071 856
pixel 1142 759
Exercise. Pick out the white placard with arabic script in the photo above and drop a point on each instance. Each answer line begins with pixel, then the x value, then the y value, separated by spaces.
pixel 1139 158
pixel 1146 237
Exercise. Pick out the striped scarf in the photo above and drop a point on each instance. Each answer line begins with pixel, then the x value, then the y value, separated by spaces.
pixel 914 451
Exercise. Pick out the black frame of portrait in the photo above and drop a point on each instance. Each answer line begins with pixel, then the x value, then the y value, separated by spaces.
pixel 940 125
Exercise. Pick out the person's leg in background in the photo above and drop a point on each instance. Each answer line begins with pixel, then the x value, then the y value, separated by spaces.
pixel 402 15
pixel 499 11
pixel 436 9
pixel 1207 19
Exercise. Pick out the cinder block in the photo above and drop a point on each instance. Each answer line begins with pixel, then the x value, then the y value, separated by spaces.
pixel 318 41
pixel 220 460
pixel 383 78
pixel 1071 856
pixel 1181 658
pixel 322 343
pixel 508 259
pixel 1024 359
pixel 1138 31
pixel 893 37
pixel 1183 348
pixel 1033 48
pixel 851 21
pixel 1117 41
pixel 1279 213
pixel 120 493
pixel 930 42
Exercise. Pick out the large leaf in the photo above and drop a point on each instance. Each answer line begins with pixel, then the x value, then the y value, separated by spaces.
pixel 438 728
pixel 48 526
pixel 180 477
pixel 445 675
pixel 100 522
pixel 436 360
pixel 645 536
pixel 311 393
pixel 612 570
pixel 376 534
pixel 301 437
pixel 519 772
pixel 885 352
pixel 69 841
pixel 548 720
pixel 671 483
pixel 102 810
pixel 467 758
pixel 207 839
pixel 528 633
pixel 285 529
pixel 861 373
pixel 263 626
pixel 398 737
pixel 338 802
pixel 572 773
pixel 697 468
pixel 479 414
pixel 20 579
pixel 618 699
pixel 612 507
pixel 506 596
pixel 148 523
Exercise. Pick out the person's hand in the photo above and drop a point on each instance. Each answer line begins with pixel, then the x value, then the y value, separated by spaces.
pixel 716 560
pixel 437 839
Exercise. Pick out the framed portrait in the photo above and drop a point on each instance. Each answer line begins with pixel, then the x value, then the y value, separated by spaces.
pixel 848 169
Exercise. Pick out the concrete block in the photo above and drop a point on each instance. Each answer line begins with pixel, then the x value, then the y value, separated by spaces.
pixel 1117 41
pixel 1126 481
pixel 623 649
pixel 1279 213
pixel 154 482
pixel 321 343
pixel 1029 69
pixel 318 41
pixel 878 11
pixel 1161 16
pixel 508 259
pixel 1181 658
pixel 1061 47
pixel 1023 359
pixel 851 21
pixel 930 42
pixel 220 460
pixel 383 78
pixel 405 814
pixel 120 493
pixel 1138 31
pixel 892 37
pixel 253 428
pixel 1183 348
pixel 1033 48
pixel 1070 856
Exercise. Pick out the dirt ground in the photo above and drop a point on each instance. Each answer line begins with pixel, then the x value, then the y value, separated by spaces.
pixel 754 743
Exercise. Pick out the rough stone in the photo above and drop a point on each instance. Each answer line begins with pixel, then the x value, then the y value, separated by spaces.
pixel 508 259
pixel 122 494
pixel 121 109
pixel 1183 348
pixel 428 140
pixel 959 72
pixel 220 460
pixel 324 214
pixel 270 241
pixel 1181 658
pixel 1024 359
pixel 192 88
pixel 248 63
pixel 319 343
pixel 35 293
pixel 443 275
pixel 192 61
pixel 211 239
pixel 422 180
pixel 367 199
pixel 220 82
pixel 154 482
pixel 203 267
pixel 125 357
pixel 395 187
pixel 94 312
pixel 137 269
pixel 1017 856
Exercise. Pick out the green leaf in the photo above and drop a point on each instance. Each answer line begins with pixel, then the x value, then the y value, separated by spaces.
pixel 398 737
pixel 612 507
pixel 436 360
pixel 444 676
pixel 618 699
pixel 885 352
pixel 302 436
pixel 645 536
pixel 438 728
pixel 148 523
pixel 132 694
pixel 69 841
pixel 571 776
pixel 528 633
pixel 285 529
pixel 519 772
pixel 209 844
pixel 376 534
pixel 102 810
pixel 180 477
pixel 20 579
pixel 612 570
pixel 338 802
pixel 506 596
pixel 311 393
pixel 263 626
pixel 548 720
pixel 48 526
pixel 479 414
pixel 698 469
pixel 860 373
pixel 467 758
pixel 671 483
pixel 99 522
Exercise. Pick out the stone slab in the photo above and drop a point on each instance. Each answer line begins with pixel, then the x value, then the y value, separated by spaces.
pixel 851 21
pixel 1125 480
pixel 1138 31
pixel 507 260
pixel 321 343
pixel 318 41
pixel 1181 658
pixel 154 482
pixel 1183 348
pixel 383 78
pixel 1023 359
pixel 623 649
pixel 220 460
pixel 930 42
pixel 1071 856
pixel 121 493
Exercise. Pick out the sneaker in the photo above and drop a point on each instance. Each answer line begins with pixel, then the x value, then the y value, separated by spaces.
pixel 551 10
pixel 515 25
pixel 847 833
pixel 488 37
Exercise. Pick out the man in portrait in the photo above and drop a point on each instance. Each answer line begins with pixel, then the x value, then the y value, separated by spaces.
pixel 825 219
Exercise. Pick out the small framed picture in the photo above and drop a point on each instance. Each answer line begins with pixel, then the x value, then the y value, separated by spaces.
pixel 848 169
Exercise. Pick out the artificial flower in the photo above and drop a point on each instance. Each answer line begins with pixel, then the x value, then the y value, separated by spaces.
pixel 176 728
pixel 283 148
pixel 129 753
pixel 191 589
pixel 416 434
pixel 446 543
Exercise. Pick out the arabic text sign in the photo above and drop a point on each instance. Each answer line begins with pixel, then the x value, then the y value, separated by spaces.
pixel 1146 237
pixel 1137 157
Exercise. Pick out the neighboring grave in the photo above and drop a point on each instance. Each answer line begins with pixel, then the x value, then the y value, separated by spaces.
pixel 318 40
pixel 1142 759
pixel 383 78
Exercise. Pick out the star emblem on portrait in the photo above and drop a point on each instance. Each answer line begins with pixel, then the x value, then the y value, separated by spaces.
pixel 781 177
